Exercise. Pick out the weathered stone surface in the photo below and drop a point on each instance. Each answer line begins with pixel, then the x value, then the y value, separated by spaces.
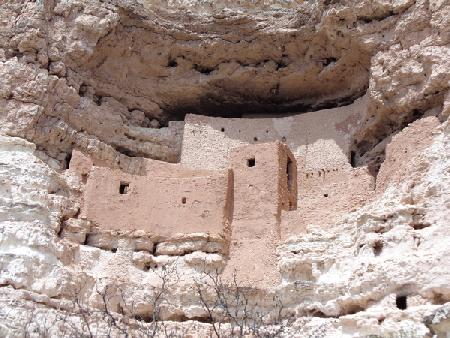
pixel 114 80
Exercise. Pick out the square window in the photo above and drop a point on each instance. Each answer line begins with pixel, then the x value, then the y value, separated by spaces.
pixel 123 189
pixel 251 162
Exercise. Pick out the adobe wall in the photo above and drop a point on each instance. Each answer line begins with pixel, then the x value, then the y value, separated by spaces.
pixel 403 153
pixel 261 188
pixel 261 192
pixel 325 196
pixel 328 186
pixel 165 202
pixel 318 140
pixel 81 164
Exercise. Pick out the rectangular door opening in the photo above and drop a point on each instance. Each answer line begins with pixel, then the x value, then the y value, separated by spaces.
pixel 289 173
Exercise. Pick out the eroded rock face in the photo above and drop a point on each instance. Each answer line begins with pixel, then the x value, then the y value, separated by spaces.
pixel 114 79
pixel 92 73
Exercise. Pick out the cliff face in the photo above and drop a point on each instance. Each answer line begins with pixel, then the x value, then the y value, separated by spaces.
pixel 114 79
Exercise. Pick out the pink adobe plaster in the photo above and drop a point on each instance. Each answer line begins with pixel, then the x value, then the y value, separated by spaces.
pixel 174 201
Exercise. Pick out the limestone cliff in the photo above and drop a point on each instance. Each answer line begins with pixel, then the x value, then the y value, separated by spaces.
pixel 114 80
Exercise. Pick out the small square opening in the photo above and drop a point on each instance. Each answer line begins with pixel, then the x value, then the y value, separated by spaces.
pixel 123 189
pixel 251 162
pixel 401 302
pixel 183 200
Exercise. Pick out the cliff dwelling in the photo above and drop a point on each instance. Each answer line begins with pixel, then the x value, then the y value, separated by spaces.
pixel 249 183
pixel 240 203
pixel 225 168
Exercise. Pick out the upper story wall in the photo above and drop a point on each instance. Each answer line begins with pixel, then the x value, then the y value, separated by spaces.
pixel 319 140
pixel 265 181
pixel 169 200
pixel 328 186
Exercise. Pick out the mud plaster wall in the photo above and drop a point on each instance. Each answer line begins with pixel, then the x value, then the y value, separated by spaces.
pixel 260 192
pixel 323 198
pixel 318 140
pixel 163 206
pixel 260 181
pixel 325 195
pixel 402 158
pixel 328 186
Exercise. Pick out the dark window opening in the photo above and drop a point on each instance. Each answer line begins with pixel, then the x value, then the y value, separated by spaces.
pixel 114 250
pixel 283 139
pixel 251 162
pixel 222 129
pixel 83 90
pixel 183 200
pixel 172 63
pixel 353 159
pixel 289 173
pixel 325 195
pixel 401 302
pixel 329 61
pixel 255 139
pixel 67 160
pixel 124 186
